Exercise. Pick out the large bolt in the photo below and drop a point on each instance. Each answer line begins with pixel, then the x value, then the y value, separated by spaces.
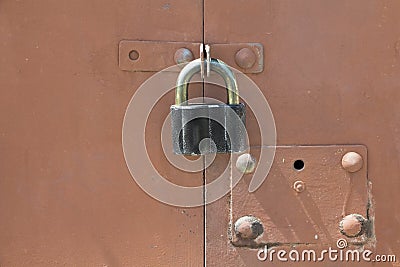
pixel 246 163
pixel 248 227
pixel 352 162
pixel 183 55
pixel 245 58
pixel 352 225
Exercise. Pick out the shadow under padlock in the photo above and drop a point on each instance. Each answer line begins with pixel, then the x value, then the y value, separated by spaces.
pixel 199 129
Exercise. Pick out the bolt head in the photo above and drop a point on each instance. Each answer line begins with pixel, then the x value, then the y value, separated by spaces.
pixel 246 163
pixel 248 227
pixel 182 56
pixel 352 225
pixel 245 58
pixel 352 162
pixel 299 186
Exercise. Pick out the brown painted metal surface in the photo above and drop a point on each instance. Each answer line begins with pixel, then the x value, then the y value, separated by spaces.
pixel 153 56
pixel 158 55
pixel 66 196
pixel 228 53
pixel 310 214
pixel 331 76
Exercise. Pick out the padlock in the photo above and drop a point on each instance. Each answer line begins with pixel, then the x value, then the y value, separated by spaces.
pixel 199 129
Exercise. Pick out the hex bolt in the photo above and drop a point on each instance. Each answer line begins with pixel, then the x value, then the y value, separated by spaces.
pixel 352 162
pixel 299 186
pixel 245 58
pixel 352 225
pixel 182 56
pixel 248 227
pixel 246 163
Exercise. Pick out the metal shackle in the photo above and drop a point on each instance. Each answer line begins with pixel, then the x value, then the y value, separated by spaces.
pixel 193 67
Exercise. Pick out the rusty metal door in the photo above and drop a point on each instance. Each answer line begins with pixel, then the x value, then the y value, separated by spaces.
pixel 69 69
pixel 66 196
pixel 331 77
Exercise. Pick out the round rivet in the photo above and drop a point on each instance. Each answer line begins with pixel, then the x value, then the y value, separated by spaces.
pixel 352 162
pixel 299 186
pixel 246 163
pixel 134 55
pixel 245 58
pixel 183 55
pixel 352 225
pixel 248 227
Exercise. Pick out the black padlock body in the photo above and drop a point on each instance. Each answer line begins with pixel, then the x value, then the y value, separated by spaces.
pixel 222 123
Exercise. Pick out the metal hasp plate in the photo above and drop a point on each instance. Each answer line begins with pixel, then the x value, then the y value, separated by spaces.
pixel 305 196
pixel 149 56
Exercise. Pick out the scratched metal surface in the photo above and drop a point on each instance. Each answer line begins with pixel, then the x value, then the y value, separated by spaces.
pixel 313 215
pixel 66 196
pixel 331 76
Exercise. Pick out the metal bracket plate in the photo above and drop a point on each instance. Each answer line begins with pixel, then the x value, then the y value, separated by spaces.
pixel 313 215
pixel 152 56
